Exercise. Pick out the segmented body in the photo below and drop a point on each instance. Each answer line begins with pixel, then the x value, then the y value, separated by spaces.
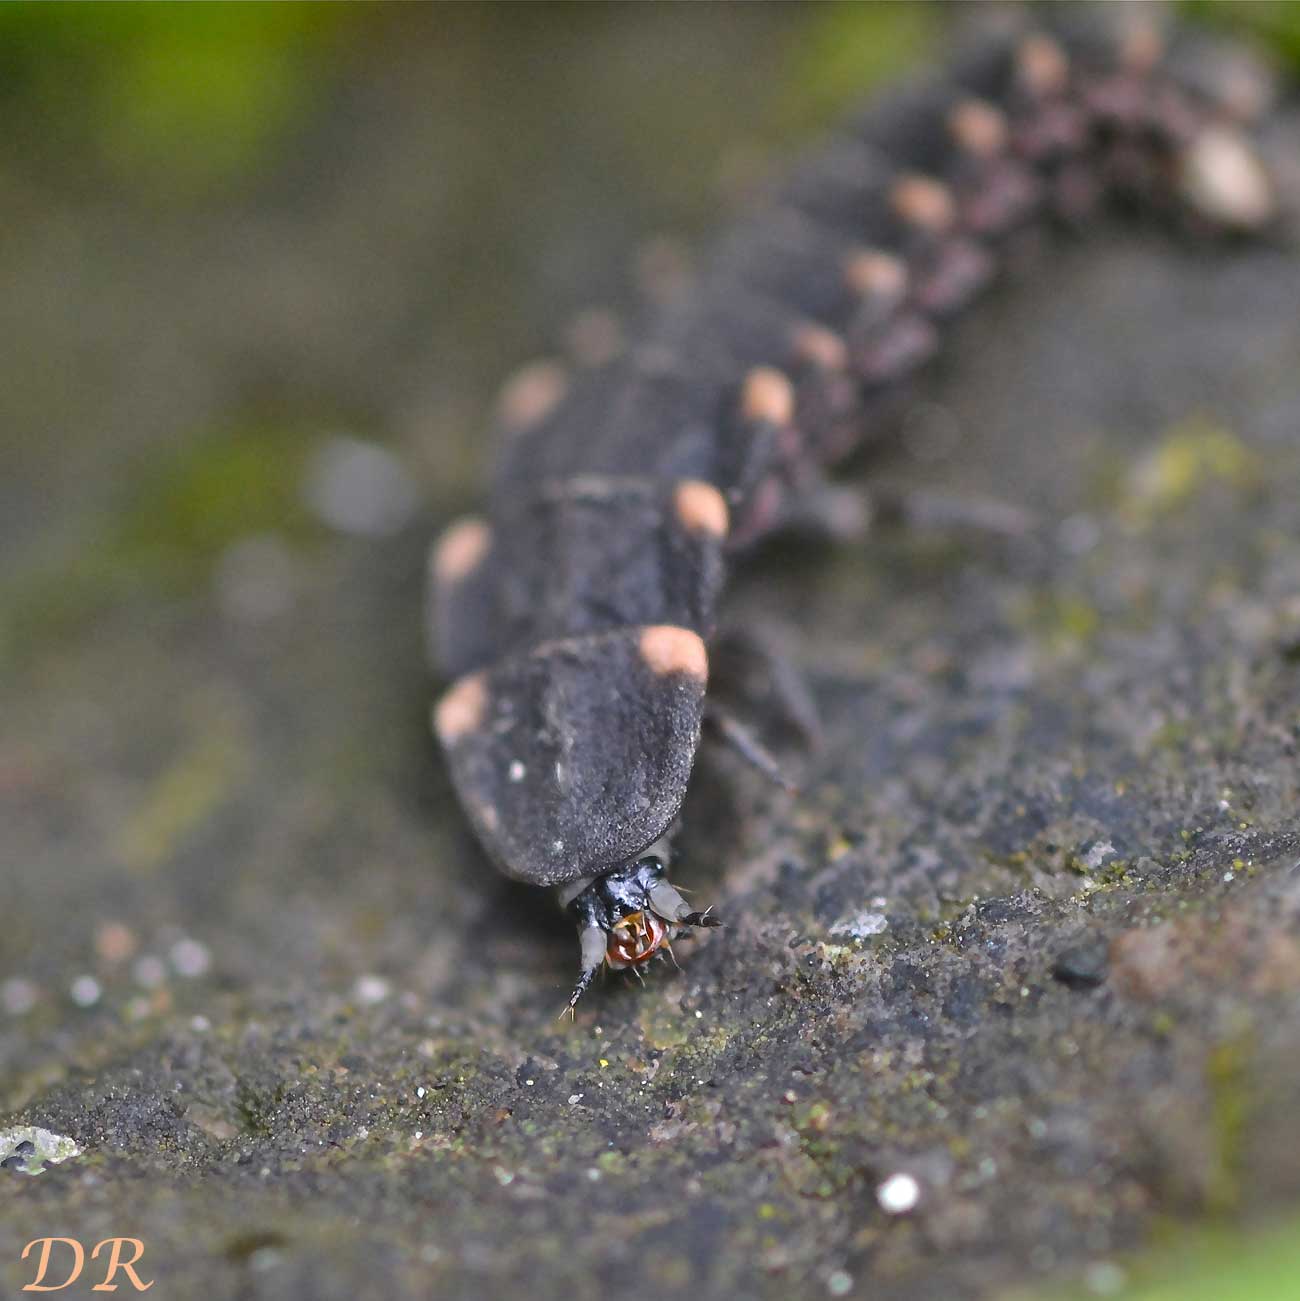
pixel 574 619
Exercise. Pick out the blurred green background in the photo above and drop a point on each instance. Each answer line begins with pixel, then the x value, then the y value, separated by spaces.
pixel 242 239
pixel 234 228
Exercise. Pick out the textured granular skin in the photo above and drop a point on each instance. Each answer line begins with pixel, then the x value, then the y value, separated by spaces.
pixel 1031 750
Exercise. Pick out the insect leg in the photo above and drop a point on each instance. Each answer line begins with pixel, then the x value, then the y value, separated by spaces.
pixel 743 741
pixel 592 947
pixel 670 905
pixel 749 669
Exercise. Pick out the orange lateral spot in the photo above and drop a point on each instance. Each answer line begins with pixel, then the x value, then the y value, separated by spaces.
pixel 530 394
pixel 669 649
pixel 461 549
pixel 923 201
pixel 700 508
pixel 767 396
pixel 1042 66
pixel 874 274
pixel 461 709
pixel 1142 46
pixel 819 346
pixel 978 127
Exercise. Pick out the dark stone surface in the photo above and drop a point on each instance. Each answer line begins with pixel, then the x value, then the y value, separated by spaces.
pixel 1080 740
pixel 1082 965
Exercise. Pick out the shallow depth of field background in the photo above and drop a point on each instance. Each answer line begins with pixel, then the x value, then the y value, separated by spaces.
pixel 236 232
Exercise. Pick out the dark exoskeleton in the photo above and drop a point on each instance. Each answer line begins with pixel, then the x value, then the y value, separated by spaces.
pixel 576 619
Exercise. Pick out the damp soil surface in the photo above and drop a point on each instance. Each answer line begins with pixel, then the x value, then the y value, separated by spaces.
pixel 1012 982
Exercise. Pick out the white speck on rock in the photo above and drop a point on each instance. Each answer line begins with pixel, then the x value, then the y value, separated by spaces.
pixel 190 958
pixel 898 1194
pixel 1098 854
pixel 371 989
pixel 839 1283
pixel 861 925
pixel 85 991
pixel 359 488
pixel 264 1258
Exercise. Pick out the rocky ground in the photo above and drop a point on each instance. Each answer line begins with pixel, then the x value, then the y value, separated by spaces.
pixel 1013 983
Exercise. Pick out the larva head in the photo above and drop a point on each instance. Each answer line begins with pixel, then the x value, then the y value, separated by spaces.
pixel 635 939
pixel 626 916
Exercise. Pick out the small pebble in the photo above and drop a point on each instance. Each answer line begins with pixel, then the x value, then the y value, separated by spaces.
pixel 85 991
pixel 359 488
pixel 861 925
pixel 190 958
pixel 28 1149
pixel 371 989
pixel 1098 855
pixel 898 1194
pixel 839 1283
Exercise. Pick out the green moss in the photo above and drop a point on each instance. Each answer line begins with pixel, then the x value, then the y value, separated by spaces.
pixel 1275 23
pixel 179 516
pixel 181 97
pixel 1063 621
pixel 1184 464
pixel 210 493
pixel 187 792
pixel 1200 1265
pixel 846 49
pixel 1227 1072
